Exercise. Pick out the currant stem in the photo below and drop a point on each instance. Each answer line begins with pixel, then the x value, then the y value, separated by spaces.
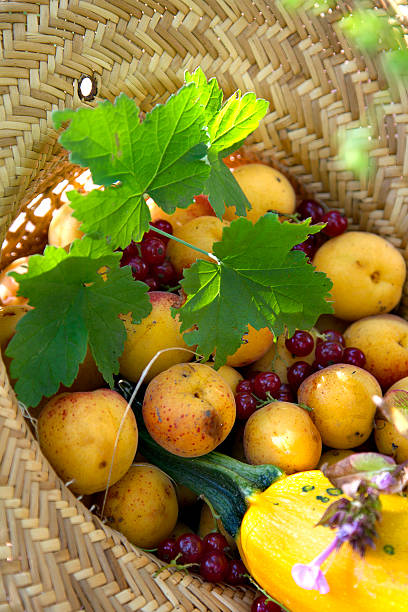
pixel 163 233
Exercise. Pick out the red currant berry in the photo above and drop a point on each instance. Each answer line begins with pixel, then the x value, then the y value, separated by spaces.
pixel 167 550
pixel 244 386
pixel 300 344
pixel 285 393
pixel 336 223
pixel 297 373
pixel 327 353
pixel 307 247
pixel 215 541
pixel 316 366
pixel 190 546
pixel 261 605
pixel 245 405
pixel 236 573
pixel 153 251
pixel 332 335
pixel 139 268
pixel 310 208
pixel 353 356
pixel 132 250
pixel 266 382
pixel 164 226
pixel 164 273
pixel 152 283
pixel 214 566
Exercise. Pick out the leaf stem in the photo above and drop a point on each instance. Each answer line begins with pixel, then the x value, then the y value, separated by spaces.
pixel 163 233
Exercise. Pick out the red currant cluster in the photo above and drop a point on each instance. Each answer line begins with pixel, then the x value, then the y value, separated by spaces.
pixel 329 349
pixel 255 390
pixel 209 554
pixel 148 258
pixel 336 224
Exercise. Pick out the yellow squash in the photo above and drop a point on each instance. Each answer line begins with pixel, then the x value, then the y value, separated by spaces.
pixel 278 530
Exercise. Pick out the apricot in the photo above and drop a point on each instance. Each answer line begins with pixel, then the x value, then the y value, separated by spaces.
pixel 342 408
pixel 159 330
pixel 200 207
pixel 77 434
pixel 9 286
pixel 367 271
pixel 201 232
pixel 283 434
pixel 143 505
pixel 389 441
pixel 255 343
pixel 384 342
pixel 266 188
pixel 231 376
pixel 63 228
pixel 332 456
pixel 189 409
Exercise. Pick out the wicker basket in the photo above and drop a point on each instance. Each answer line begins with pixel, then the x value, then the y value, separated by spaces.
pixel 54 554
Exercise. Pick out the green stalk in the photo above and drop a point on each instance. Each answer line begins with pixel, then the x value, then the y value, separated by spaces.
pixel 224 481
pixel 187 244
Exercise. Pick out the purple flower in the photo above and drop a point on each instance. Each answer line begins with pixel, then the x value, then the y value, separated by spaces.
pixel 309 576
pixel 383 480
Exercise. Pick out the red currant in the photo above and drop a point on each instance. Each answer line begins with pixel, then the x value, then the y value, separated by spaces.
pixel 261 605
pixel 129 252
pixel 164 226
pixel 300 344
pixel 236 573
pixel 139 268
pixel 152 283
pixel 215 541
pixel 214 566
pixel 336 223
pixel 244 386
pixel 245 405
pixel 310 208
pixel 164 273
pixel 167 550
pixel 297 373
pixel 153 251
pixel 266 382
pixel 353 356
pixel 191 547
pixel 285 393
pixel 327 353
pixel 307 247
pixel 333 336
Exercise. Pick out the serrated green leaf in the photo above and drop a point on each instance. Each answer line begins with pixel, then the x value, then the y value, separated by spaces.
pixel 210 92
pixel 239 117
pixel 77 298
pixel 397 62
pixel 223 189
pixel 369 462
pixel 164 157
pixel 259 281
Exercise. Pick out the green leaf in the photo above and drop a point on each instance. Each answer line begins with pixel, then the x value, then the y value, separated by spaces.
pixel 397 61
pixel 210 92
pixel 371 31
pixel 77 298
pixel 239 117
pixel 164 157
pixel 223 189
pixel 228 126
pixel 259 281
pixel 354 149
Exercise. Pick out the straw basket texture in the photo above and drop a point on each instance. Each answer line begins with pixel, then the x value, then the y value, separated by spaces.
pixel 54 554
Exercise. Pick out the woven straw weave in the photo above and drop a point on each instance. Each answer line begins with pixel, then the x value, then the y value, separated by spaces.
pixel 54 554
